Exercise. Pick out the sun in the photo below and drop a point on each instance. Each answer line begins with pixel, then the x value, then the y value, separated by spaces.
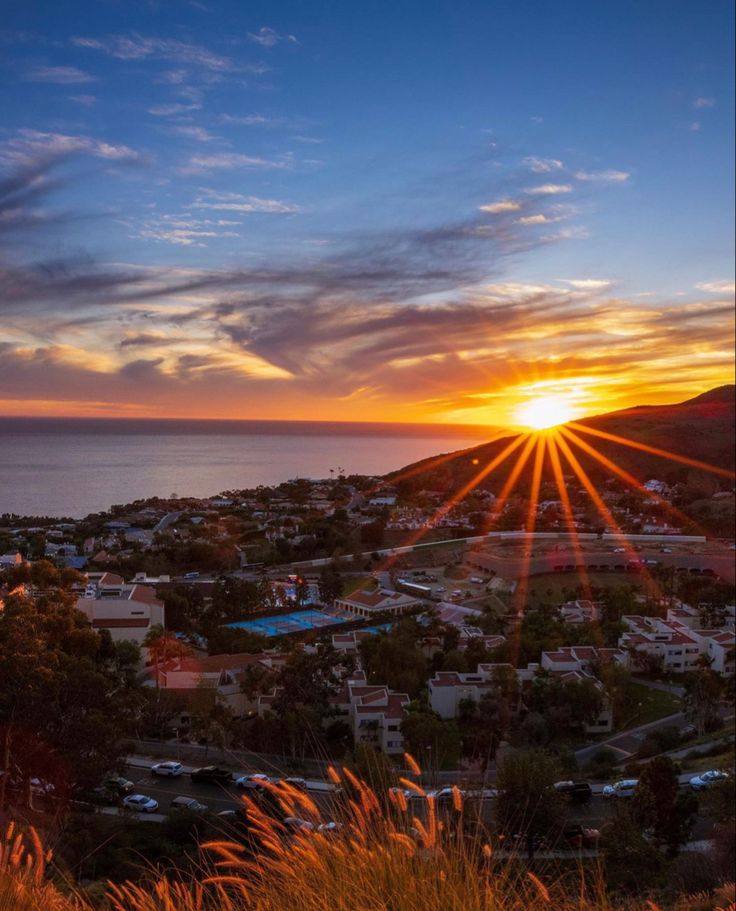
pixel 545 411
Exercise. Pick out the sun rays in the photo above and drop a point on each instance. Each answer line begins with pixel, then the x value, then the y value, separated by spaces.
pixel 553 455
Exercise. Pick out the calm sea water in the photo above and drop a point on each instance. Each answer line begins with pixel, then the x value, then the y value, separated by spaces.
pixel 74 466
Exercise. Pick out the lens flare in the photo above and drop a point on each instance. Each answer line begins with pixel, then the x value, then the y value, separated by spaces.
pixel 545 411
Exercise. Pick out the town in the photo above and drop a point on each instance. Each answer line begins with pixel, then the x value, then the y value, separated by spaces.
pixel 268 634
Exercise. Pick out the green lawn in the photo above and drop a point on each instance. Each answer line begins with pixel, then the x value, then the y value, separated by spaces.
pixel 649 705
pixel 561 583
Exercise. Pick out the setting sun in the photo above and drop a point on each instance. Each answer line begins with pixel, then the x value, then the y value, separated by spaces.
pixel 545 411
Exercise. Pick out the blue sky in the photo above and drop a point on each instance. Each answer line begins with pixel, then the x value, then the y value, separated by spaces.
pixel 387 170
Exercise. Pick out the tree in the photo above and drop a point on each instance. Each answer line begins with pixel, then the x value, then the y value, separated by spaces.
pixel 301 592
pixel 527 802
pixel 566 705
pixel 432 741
pixel 163 647
pixel 65 702
pixel 703 691
pixel 632 864
pixel 657 805
pixel 395 659
pixel 330 584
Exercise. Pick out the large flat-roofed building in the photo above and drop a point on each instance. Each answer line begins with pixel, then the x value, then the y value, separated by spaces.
pixel 127 611
pixel 369 604
pixel 676 647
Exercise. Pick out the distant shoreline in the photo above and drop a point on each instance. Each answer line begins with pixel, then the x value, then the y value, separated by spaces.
pixel 244 426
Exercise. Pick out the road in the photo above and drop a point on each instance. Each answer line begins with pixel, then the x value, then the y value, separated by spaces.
pixel 595 814
pixel 167 520
pixel 626 743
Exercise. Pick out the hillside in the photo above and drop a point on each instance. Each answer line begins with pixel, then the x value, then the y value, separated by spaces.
pixel 701 428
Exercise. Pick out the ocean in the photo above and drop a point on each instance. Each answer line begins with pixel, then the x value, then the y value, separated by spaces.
pixel 75 466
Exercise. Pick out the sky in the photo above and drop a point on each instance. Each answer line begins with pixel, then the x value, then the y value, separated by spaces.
pixel 411 211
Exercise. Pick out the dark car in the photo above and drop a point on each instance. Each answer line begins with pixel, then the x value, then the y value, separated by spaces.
pixel 578 836
pixel 118 785
pixel 574 791
pixel 211 774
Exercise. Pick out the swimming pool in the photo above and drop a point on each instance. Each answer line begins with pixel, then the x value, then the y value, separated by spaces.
pixel 295 622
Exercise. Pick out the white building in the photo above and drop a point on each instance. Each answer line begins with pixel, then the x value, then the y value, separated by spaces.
pixel 128 612
pixel 376 713
pixel 580 611
pixel 448 689
pixel 678 647
pixel 368 604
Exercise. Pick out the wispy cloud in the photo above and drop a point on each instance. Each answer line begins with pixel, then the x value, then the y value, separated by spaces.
pixel 542 165
pixel 704 102
pixel 538 219
pixel 268 37
pixel 199 134
pixel 235 202
pixel 171 110
pixel 608 176
pixel 230 161
pixel 588 284
pixel 139 47
pixel 549 189
pixel 250 120
pixel 498 208
pixel 59 75
pixel 28 145
pixel 718 287
pixel 85 100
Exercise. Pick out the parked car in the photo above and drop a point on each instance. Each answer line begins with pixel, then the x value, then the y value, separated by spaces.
pixel 707 779
pixel 256 780
pixel 578 836
pixel 299 825
pixel 329 828
pixel 623 788
pixel 188 803
pixel 574 791
pixel 168 769
pixel 299 783
pixel 211 774
pixel 447 794
pixel 141 803
pixel 118 785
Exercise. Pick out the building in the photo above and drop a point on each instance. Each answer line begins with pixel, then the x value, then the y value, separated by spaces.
pixel 221 673
pixel 675 646
pixel 127 611
pixel 580 611
pixel 370 604
pixel 376 713
pixel 448 689
pixel 349 642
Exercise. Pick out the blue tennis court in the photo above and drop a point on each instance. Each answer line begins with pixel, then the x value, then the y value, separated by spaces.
pixel 295 622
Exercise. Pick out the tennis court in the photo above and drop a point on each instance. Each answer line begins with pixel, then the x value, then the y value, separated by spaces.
pixel 295 622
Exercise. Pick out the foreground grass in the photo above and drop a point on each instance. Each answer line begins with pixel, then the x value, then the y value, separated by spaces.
pixel 380 860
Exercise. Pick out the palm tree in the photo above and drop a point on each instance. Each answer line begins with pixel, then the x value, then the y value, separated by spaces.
pixel 162 646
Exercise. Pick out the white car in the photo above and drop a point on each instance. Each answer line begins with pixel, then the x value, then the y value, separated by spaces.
pixel 168 769
pixel 445 794
pixel 707 779
pixel 300 825
pixel 141 803
pixel 623 788
pixel 252 781
pixel 329 828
